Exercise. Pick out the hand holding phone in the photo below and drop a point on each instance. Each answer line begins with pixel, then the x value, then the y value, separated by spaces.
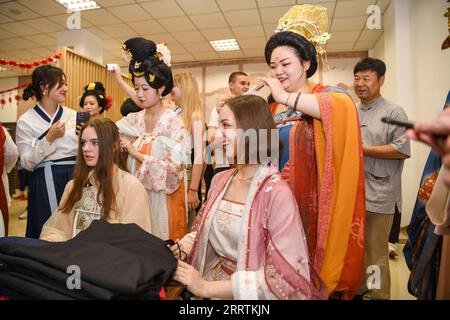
pixel 81 120
pixel 111 66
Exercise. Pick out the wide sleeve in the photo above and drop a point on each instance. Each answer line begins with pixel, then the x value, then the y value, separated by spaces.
pixel 59 227
pixel 10 150
pixel 285 273
pixel 163 170
pixel 32 150
pixel 134 206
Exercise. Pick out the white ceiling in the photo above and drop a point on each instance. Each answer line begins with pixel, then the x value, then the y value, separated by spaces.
pixel 29 28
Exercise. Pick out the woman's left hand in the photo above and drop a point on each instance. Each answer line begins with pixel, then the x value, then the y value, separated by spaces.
pixel 189 276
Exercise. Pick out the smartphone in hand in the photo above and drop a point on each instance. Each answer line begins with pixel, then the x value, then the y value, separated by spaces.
pixel 82 118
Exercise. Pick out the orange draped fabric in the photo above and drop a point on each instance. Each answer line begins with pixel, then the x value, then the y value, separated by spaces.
pixel 176 203
pixel 325 171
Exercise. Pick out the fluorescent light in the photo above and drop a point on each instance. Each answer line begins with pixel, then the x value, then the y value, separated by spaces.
pixel 225 45
pixel 78 5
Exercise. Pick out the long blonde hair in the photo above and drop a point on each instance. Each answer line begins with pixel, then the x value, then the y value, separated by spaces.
pixel 191 100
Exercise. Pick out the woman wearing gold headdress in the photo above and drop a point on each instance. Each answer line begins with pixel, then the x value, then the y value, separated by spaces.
pixel 324 166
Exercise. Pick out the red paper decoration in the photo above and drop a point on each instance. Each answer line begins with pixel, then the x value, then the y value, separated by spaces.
pixel 14 63
pixel 16 88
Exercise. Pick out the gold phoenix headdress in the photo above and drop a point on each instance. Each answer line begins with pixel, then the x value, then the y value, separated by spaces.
pixel 308 21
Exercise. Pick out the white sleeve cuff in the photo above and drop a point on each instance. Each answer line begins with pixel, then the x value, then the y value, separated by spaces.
pixel 44 148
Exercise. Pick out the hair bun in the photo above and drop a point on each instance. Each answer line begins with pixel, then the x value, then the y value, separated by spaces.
pixel 28 92
pixel 95 86
pixel 139 49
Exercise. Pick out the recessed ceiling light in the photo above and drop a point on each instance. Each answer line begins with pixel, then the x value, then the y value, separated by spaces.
pixel 225 45
pixel 78 5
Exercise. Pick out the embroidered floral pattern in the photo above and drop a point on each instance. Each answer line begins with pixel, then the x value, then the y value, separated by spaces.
pixel 357 232
pixel 162 171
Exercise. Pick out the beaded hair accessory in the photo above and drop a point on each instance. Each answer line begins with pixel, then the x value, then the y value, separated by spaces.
pixel 309 21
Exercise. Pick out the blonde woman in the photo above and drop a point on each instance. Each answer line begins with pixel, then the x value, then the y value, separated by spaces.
pixel 186 96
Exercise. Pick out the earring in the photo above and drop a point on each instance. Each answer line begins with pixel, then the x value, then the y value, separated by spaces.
pixel 44 93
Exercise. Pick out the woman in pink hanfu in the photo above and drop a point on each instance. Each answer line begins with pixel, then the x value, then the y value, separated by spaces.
pixel 248 241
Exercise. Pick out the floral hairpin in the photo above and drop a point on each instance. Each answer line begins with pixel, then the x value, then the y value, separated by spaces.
pixel 163 53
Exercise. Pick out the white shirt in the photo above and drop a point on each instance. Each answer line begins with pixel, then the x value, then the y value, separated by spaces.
pixel 11 154
pixel 32 150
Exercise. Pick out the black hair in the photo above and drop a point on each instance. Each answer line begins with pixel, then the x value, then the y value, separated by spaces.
pixel 234 75
pixel 302 47
pixel 373 64
pixel 97 91
pixel 128 106
pixel 46 75
pixel 145 61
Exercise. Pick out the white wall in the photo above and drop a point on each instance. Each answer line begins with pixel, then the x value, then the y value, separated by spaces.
pixel 378 49
pixel 418 74
pixel 8 112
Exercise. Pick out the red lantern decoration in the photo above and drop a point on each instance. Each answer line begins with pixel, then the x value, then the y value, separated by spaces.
pixel 36 64
pixel 17 97
pixel 50 59
pixel 13 63
pixel 3 62
pixel 9 99
pixel 2 102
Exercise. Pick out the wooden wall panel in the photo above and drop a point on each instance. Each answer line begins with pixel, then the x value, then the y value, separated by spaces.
pixel 80 71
